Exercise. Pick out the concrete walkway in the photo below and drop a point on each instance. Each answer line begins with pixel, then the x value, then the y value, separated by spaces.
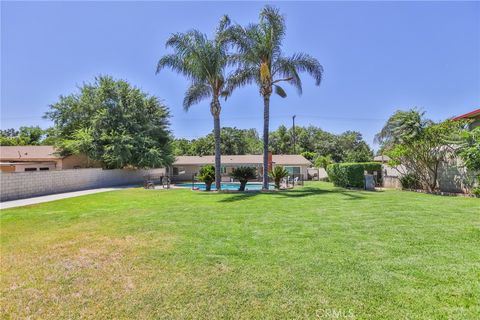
pixel 53 197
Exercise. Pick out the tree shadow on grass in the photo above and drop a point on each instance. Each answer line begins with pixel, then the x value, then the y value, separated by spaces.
pixel 296 193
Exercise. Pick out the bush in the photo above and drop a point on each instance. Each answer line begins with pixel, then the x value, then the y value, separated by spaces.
pixel 207 175
pixel 323 161
pixel 308 155
pixel 351 174
pixel 476 192
pixel 410 181
pixel 243 174
pixel 371 166
pixel 278 173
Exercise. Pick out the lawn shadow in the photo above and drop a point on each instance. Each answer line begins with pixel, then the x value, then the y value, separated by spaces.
pixel 296 193
pixel 241 196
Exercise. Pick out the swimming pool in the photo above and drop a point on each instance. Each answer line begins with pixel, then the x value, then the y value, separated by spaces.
pixel 225 186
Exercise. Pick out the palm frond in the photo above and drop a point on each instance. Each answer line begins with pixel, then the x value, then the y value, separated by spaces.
pixel 197 57
pixel 273 25
pixel 303 62
pixel 285 69
pixel 180 42
pixel 222 39
pixel 242 77
pixel 279 90
pixel 402 127
pixel 243 38
pixel 174 62
pixel 223 25
pixel 196 93
pixel 272 17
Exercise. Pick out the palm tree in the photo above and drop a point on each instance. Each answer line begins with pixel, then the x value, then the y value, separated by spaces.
pixel 402 127
pixel 203 61
pixel 260 60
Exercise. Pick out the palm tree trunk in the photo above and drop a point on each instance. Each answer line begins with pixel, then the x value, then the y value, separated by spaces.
pixel 266 123
pixel 215 109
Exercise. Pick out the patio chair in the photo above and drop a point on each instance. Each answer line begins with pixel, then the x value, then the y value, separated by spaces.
pixel 165 181
pixel 148 183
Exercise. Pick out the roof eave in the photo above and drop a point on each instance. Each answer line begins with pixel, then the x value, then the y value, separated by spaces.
pixel 468 115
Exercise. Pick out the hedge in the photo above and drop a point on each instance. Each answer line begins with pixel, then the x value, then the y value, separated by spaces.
pixel 351 174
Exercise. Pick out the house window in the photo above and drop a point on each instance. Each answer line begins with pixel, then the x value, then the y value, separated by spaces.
pixel 30 169
pixel 44 169
pixel 175 171
pixel 293 170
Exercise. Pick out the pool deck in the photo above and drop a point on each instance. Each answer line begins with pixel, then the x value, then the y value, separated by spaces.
pixel 189 186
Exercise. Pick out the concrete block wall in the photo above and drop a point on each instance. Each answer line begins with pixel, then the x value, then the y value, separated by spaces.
pixel 317 173
pixel 391 182
pixel 18 185
pixel 454 177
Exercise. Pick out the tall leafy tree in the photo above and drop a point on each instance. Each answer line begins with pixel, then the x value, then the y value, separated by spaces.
pixel 261 61
pixel 32 135
pixel 470 149
pixel 203 61
pixel 115 123
pixel 280 141
pixel 419 145
pixel 9 133
pixel 427 151
pixel 234 141
pixel 181 147
pixel 353 148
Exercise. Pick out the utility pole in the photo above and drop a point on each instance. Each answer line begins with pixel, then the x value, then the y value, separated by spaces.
pixel 294 137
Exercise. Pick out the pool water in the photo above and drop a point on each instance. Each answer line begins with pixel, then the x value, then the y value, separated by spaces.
pixel 225 186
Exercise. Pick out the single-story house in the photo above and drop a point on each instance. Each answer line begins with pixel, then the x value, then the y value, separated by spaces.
pixel 473 115
pixel 381 158
pixel 40 158
pixel 185 167
pixel 388 171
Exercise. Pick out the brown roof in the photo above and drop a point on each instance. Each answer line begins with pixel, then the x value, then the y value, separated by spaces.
pixel 290 159
pixel 475 114
pixel 28 153
pixel 284 159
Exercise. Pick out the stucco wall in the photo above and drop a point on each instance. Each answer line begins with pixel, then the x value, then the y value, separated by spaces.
pixel 316 173
pixel 185 173
pixel 454 177
pixel 19 167
pixel 18 185
pixel 392 182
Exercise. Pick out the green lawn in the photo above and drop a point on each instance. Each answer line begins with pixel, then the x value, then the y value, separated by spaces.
pixel 314 252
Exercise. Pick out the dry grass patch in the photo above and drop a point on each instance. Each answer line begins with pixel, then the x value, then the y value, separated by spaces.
pixel 88 276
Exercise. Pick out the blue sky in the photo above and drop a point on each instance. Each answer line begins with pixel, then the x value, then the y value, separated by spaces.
pixel 378 58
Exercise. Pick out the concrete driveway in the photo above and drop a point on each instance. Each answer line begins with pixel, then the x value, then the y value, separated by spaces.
pixel 53 197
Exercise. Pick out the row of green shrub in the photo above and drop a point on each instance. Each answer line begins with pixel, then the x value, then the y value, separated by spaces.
pixel 351 174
